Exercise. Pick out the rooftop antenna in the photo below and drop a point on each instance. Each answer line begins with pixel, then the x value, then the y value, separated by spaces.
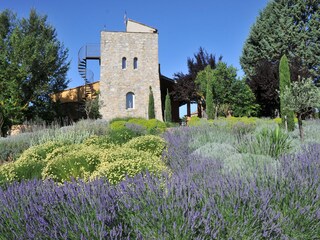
pixel 125 19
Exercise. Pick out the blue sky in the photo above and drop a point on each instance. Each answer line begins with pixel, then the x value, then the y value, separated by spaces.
pixel 221 27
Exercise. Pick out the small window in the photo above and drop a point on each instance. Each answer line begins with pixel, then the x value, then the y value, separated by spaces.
pixel 130 100
pixel 135 63
pixel 124 63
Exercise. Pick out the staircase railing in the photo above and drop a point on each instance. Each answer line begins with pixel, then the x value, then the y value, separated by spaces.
pixel 87 52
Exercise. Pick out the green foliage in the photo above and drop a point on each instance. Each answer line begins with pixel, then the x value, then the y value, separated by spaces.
pixel 270 142
pixel 151 112
pixel 32 161
pixel 287 116
pixel 33 64
pixel 300 97
pixel 250 165
pixel 121 135
pixel 102 142
pixel 242 100
pixel 153 144
pixel 118 125
pixel 229 94
pixel 216 151
pixel 131 126
pixel 124 162
pixel 71 162
pixel 167 108
pixel 283 27
pixel 12 147
pixel 6 173
pixel 153 126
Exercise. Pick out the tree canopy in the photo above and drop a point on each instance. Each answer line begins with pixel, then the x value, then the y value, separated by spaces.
pixel 33 64
pixel 283 27
pixel 185 90
pixel 229 94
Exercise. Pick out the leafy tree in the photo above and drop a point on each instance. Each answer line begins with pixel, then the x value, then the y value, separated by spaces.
pixel 228 92
pixel 286 116
pixel 33 64
pixel 209 98
pixel 167 111
pixel 299 97
pixel 242 100
pixel 204 81
pixel 92 106
pixel 185 90
pixel 283 27
pixel 151 112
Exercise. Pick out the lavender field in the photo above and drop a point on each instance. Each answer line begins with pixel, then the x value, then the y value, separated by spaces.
pixel 220 182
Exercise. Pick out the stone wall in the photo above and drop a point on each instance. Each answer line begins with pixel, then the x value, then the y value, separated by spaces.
pixel 116 82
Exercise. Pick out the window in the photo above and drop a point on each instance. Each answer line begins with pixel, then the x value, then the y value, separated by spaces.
pixel 135 63
pixel 130 100
pixel 124 63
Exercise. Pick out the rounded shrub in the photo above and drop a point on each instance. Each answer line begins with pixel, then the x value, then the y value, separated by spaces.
pixel 118 124
pixel 72 162
pixel 32 161
pixel 248 165
pixel 127 162
pixel 7 173
pixel 150 143
pixel 103 142
pixel 153 126
pixel 216 150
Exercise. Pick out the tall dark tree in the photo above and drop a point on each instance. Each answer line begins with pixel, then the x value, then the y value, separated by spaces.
pixel 167 110
pixel 151 112
pixel 283 27
pixel 287 116
pixel 33 65
pixel 185 90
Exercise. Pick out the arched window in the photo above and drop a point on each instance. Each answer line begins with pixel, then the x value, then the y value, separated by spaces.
pixel 124 63
pixel 130 100
pixel 135 63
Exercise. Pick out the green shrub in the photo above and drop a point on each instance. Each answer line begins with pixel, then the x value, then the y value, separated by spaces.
pixel 118 125
pixel 7 174
pixel 196 121
pixel 250 165
pixel 124 162
pixel 11 147
pixel 32 161
pixel 153 144
pixel 70 162
pixel 271 142
pixel 219 151
pixel 153 126
pixel 121 135
pixel 103 142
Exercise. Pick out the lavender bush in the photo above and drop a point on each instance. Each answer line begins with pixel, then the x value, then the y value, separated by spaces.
pixel 199 199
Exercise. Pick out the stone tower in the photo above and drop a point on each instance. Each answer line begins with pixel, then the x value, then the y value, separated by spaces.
pixel 129 66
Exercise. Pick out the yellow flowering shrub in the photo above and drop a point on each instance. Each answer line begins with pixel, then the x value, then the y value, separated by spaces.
pixel 149 143
pixel 72 162
pixel 32 161
pixel 103 142
pixel 7 174
pixel 124 162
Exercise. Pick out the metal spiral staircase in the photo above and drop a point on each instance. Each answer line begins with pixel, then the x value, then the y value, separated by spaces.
pixel 87 52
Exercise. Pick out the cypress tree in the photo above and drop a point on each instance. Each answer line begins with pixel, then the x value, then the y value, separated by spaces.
pixel 151 112
pixel 209 100
pixel 287 116
pixel 167 109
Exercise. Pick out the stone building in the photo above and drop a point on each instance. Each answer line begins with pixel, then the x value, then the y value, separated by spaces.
pixel 129 66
